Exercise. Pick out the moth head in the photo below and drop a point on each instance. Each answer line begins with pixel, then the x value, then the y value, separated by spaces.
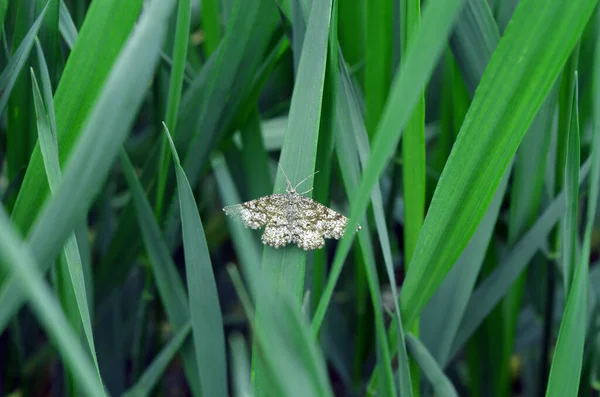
pixel 292 189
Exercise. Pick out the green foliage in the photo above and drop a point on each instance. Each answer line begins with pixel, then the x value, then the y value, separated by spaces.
pixel 474 176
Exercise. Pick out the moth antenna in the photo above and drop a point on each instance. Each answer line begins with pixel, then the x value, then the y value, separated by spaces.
pixel 286 178
pixel 303 180
pixel 308 191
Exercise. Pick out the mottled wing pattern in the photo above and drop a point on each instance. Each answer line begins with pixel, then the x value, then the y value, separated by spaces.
pixel 290 218
pixel 314 222
pixel 257 213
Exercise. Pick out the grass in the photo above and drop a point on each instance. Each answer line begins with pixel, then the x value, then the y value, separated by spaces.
pixel 464 138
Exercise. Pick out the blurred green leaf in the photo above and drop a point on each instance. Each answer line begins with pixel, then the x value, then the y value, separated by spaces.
pixel 501 112
pixel 100 140
pixel 211 23
pixel 180 47
pixel 437 21
pixel 441 384
pixel 49 148
pixel 473 41
pixel 565 372
pixel 352 139
pixel 3 7
pixel 107 27
pixel 167 280
pixel 207 320
pixel 20 125
pixel 153 374
pixel 66 25
pixel 491 290
pixel 19 261
pixel 378 61
pixel 17 61
pixel 240 366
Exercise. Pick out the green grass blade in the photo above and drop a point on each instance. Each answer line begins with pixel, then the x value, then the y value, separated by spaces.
pixel 502 110
pixel 66 25
pixel 568 354
pixel 273 384
pixel 240 366
pixel 3 8
pixel 19 261
pixel 255 158
pixel 207 107
pixel 208 125
pixel 153 374
pixel 49 148
pixel 566 120
pixel 207 319
pixel 378 60
pixel 100 140
pixel 473 41
pixel 286 266
pixel 496 285
pixel 437 21
pixel 49 37
pixel 107 27
pixel 20 125
pixel 17 61
pixel 352 36
pixel 525 201
pixel 204 103
pixel 167 280
pixel 211 23
pixel 447 307
pixel 413 147
pixel 595 155
pixel 182 34
pixel 283 338
pixel 441 384
pixel 413 160
pixel 351 137
pixel 325 149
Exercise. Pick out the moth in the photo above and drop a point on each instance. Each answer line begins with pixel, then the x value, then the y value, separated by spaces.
pixel 291 218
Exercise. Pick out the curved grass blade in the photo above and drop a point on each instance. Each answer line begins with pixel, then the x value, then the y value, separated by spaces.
pixel 166 277
pixel 66 25
pixel 221 110
pixel 448 306
pixel 152 375
pixel 180 47
pixel 437 21
pixel 237 56
pixel 567 361
pixel 207 319
pixel 351 138
pixel 19 261
pixel 240 365
pixel 49 148
pixel 441 384
pixel 379 34
pixel 413 150
pixel 502 110
pixel 496 285
pixel 247 37
pixel 107 27
pixel 17 61
pixel 273 383
pixel 91 160
pixel 473 41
